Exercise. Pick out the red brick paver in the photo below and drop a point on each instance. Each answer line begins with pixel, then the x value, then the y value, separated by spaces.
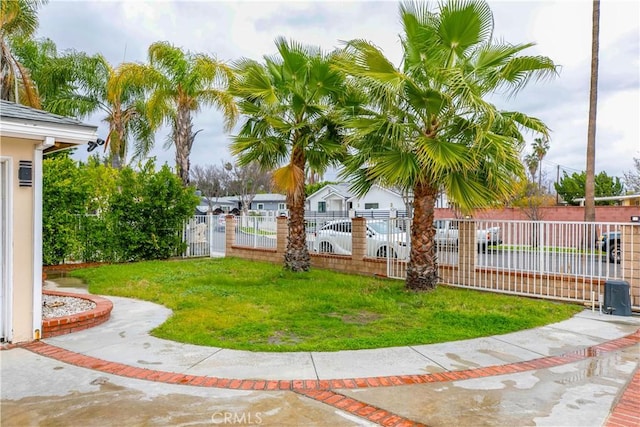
pixel 626 412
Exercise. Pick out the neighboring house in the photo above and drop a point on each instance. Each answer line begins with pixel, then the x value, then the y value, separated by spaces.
pixel 261 203
pixel 338 198
pixel 269 202
pixel 628 200
pixel 25 135
pixel 218 205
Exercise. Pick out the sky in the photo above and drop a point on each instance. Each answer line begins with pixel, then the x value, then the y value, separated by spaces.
pixel 229 30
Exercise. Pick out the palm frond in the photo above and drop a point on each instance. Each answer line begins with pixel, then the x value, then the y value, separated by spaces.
pixel 464 24
pixel 223 101
pixel 438 156
pixel 172 61
pixel 517 73
pixel 290 179
pixel 253 81
pixel 528 123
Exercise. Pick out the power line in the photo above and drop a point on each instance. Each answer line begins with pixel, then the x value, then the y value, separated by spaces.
pixel 563 167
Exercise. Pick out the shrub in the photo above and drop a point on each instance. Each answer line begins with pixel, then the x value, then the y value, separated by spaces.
pixel 65 195
pixel 147 213
pixel 93 212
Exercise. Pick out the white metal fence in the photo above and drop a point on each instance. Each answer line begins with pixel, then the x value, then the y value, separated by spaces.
pixel 548 247
pixel 204 235
pixel 256 231
pixel 559 260
pixel 548 259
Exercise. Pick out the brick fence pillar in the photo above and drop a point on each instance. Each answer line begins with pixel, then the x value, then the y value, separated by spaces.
pixel 359 239
pixel 282 234
pixel 631 260
pixel 467 253
pixel 229 233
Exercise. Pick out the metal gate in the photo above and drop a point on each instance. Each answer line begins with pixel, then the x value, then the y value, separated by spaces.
pixel 399 238
pixel 204 236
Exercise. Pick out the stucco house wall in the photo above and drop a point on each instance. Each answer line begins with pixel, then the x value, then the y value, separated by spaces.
pixel 379 198
pixel 21 221
pixel 26 135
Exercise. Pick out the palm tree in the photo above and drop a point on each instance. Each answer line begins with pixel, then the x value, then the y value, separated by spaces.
pixel 101 88
pixel 531 161
pixel 52 74
pixel 288 103
pixel 76 84
pixel 589 201
pixel 18 20
pixel 181 84
pixel 540 148
pixel 430 127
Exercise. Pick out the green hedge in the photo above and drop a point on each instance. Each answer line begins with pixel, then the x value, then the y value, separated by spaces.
pixel 92 212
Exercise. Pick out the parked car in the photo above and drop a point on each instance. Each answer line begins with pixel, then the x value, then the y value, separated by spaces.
pixel 609 243
pixel 447 235
pixel 382 239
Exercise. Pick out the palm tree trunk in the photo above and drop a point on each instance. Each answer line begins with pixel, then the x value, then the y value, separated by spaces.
pixel 422 270
pixel 296 257
pixel 182 132
pixel 589 190
pixel 117 144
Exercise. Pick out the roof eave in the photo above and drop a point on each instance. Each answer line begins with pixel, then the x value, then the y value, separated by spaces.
pixel 65 136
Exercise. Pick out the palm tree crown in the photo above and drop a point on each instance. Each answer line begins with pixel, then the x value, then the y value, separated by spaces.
pixel 181 84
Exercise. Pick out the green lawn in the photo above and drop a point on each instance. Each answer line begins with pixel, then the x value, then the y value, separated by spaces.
pixel 238 304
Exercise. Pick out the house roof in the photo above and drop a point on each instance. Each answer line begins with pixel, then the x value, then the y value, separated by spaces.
pixel 343 190
pixel 609 198
pixel 29 123
pixel 224 200
pixel 12 110
pixel 269 197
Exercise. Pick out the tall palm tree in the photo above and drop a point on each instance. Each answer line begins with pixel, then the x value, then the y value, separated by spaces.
pixel 180 84
pixel 289 126
pixel 430 126
pixel 18 20
pixel 589 196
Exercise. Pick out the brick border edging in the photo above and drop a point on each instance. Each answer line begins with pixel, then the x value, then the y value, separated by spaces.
pixel 625 410
pixel 324 390
pixel 56 326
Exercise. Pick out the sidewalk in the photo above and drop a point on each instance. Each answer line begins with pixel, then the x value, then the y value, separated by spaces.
pixel 569 373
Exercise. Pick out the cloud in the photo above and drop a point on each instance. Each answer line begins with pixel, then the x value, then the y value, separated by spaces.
pixel 229 30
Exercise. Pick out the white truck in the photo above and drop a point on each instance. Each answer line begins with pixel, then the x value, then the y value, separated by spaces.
pixel 447 235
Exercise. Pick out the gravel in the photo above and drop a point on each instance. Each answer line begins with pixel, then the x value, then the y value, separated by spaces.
pixel 58 306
